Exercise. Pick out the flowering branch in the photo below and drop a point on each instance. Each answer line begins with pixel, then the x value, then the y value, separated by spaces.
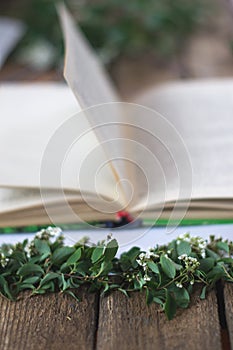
pixel 167 273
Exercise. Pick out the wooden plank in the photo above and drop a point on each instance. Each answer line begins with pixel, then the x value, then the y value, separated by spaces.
pixel 15 72
pixel 228 297
pixel 54 321
pixel 129 324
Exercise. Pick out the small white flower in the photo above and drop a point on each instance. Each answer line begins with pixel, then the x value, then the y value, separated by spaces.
pixel 146 278
pixel 141 263
pixel 179 285
pixel 142 256
pixel 3 260
pixel 28 249
pixel 54 231
pixel 182 257
pixel 109 236
pixel 203 254
pixel 153 255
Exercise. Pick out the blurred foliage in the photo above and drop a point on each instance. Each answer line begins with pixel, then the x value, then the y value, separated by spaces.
pixel 117 27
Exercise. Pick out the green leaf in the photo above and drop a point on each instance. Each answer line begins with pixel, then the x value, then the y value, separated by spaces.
pixel 158 301
pixel 49 277
pixel 125 263
pixel 4 288
pixel 184 248
pixel 203 293
pixel 168 266
pixel 206 264
pixel 31 280
pixel 24 286
pixel 182 297
pixel 105 267
pixel 110 250
pixel 123 291
pixel 138 283
pixel 106 289
pixel 97 254
pixel 128 259
pixel 61 254
pixel 63 283
pixel 42 247
pixel 39 291
pixel 69 292
pixel 29 269
pixel 153 267
pixel 212 254
pixel 228 261
pixel 215 274
pixel 75 283
pixel 178 267
pixel 132 254
pixel 74 257
pixel 223 246
pixel 83 267
pixel 170 306
pixel 149 296
pixel 19 256
pixel 49 286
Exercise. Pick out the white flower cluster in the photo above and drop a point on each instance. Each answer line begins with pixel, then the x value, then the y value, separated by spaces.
pixel 191 264
pixel 143 259
pixel 29 249
pixel 48 232
pixel 44 234
pixel 3 260
pixel 146 277
pixel 197 243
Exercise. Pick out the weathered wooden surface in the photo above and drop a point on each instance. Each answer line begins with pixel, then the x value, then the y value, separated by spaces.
pixel 130 324
pixel 53 321
pixel 228 297
pixel 56 321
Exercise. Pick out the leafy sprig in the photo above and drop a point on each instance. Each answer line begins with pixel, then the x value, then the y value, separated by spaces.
pixel 166 273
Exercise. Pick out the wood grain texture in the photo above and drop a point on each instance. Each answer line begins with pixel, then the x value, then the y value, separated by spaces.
pixel 130 324
pixel 228 297
pixel 54 321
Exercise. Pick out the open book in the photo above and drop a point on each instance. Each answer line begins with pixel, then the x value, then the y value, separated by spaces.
pixel 67 158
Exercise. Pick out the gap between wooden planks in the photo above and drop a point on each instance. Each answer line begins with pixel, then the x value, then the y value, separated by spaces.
pixel 228 299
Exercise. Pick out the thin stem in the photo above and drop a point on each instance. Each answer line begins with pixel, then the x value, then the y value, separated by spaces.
pixel 227 273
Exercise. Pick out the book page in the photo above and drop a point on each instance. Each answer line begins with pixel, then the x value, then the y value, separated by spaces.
pixel 82 69
pixel 24 206
pixel 201 112
pixel 91 85
pixel 29 116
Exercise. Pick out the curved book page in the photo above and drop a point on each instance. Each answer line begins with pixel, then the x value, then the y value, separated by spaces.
pixel 92 87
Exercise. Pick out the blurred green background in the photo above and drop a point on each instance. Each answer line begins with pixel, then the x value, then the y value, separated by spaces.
pixel 114 27
pixel 141 42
